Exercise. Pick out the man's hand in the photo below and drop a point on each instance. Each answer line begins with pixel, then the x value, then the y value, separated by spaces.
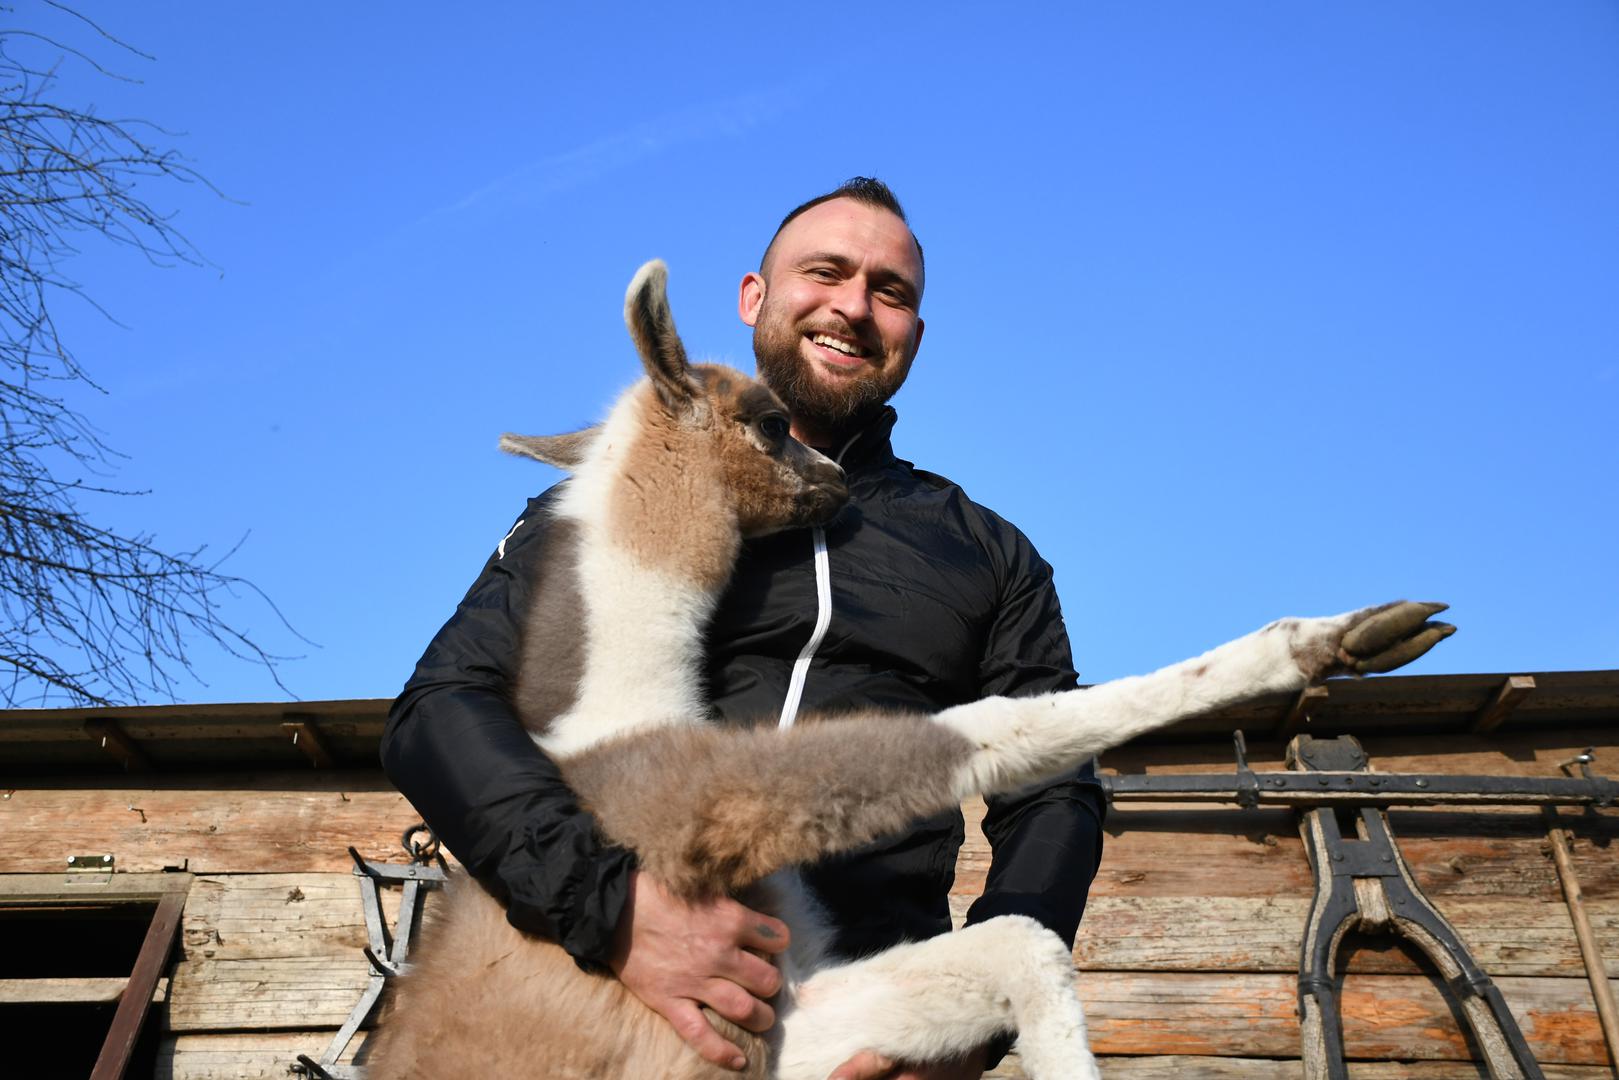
pixel 676 957
pixel 869 1065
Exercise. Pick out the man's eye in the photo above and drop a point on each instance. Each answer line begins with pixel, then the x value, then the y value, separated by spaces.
pixel 773 428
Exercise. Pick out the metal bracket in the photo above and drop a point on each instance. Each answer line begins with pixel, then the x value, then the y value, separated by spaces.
pixel 1365 884
pixel 89 869
pixel 386 952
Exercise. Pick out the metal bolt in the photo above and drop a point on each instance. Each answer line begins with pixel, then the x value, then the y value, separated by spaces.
pixel 1421 782
pixel 71 859
pixel 1337 856
pixel 106 858
pixel 1325 781
pixel 1388 858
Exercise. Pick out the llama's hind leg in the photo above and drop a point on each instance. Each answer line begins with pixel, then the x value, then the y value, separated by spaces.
pixel 937 999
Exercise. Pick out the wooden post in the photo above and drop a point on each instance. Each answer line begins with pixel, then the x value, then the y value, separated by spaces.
pixel 1595 969
pixel 306 737
pixel 137 998
pixel 115 742
pixel 1298 713
pixel 1507 698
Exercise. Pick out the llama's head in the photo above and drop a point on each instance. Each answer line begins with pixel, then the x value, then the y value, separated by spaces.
pixel 696 439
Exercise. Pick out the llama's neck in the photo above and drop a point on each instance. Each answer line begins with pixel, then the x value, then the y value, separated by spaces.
pixel 657 549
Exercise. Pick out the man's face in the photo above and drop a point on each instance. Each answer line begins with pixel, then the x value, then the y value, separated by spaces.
pixel 834 314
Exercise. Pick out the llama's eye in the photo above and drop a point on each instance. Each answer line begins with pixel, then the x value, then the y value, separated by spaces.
pixel 773 427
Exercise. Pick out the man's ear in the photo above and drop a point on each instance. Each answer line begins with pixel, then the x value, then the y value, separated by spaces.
pixel 920 326
pixel 750 297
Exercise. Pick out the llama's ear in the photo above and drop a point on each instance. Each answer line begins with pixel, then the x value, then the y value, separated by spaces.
pixel 564 451
pixel 646 313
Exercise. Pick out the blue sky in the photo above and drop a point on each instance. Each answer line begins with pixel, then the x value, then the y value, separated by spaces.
pixel 1239 309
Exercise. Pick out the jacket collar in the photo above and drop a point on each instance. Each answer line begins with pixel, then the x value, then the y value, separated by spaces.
pixel 868 448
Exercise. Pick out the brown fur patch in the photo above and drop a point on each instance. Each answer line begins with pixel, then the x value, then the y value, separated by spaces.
pixel 669 507
pixel 696 482
pixel 485 999
pixel 554 636
pixel 710 810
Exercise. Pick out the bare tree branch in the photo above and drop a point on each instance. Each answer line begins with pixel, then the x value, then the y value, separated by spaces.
pixel 87 614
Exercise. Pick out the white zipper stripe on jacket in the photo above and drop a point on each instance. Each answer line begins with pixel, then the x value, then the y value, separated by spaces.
pixel 823 618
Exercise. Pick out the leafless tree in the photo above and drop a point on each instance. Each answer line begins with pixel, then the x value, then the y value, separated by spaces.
pixel 88 614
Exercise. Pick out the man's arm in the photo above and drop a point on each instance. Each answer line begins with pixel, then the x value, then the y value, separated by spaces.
pixel 457 751
pixel 1046 842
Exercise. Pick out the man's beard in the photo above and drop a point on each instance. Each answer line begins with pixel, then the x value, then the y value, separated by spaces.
pixel 826 406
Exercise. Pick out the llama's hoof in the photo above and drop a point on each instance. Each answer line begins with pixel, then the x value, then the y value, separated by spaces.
pixel 1393 636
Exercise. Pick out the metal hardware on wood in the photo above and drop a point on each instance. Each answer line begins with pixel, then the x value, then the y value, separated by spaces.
pixel 90 862
pixel 385 952
pixel 1358 883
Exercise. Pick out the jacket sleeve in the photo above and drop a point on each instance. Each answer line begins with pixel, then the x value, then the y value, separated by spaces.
pixel 1046 841
pixel 457 751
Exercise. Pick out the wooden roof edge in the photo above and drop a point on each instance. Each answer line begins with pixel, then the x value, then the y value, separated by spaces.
pixel 233 711
pixel 242 720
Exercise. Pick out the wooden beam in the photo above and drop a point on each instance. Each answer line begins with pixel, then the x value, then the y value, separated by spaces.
pixel 1508 697
pixel 82 991
pixel 1298 713
pixel 137 999
pixel 119 745
pixel 306 737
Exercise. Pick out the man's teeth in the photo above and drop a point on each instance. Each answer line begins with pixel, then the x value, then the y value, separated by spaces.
pixel 840 345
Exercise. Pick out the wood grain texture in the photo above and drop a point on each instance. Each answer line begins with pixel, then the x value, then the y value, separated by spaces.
pixel 292 993
pixel 274 823
pixel 1391 1017
pixel 1232 1068
pixel 270 916
pixel 249 1056
pixel 1507 936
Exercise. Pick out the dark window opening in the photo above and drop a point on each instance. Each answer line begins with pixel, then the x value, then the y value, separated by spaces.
pixel 72 941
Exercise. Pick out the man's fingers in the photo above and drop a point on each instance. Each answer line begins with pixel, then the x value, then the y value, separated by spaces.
pixel 763 934
pixel 866 1065
pixel 697 1033
pixel 757 976
pixel 737 1005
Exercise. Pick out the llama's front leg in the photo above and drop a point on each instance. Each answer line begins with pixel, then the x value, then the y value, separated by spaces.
pixel 1019 740
pixel 941 998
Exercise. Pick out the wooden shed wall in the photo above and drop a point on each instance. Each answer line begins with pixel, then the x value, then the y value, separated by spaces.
pixel 1187 957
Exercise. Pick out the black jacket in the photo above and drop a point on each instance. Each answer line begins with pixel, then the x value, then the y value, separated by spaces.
pixel 935 601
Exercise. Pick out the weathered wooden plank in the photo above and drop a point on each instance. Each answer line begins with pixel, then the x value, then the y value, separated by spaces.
pixel 265 1056
pixel 267 916
pixel 1513 753
pixel 80 991
pixel 1134 1013
pixel 1221 933
pixel 1188 852
pixel 292 993
pixel 1389 1017
pixel 1230 1068
pixel 289 822
pixel 247 1056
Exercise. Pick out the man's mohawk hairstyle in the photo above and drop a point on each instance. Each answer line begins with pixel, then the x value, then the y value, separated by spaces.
pixel 862 189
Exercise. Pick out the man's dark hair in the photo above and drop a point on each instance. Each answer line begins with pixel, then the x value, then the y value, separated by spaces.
pixel 862 189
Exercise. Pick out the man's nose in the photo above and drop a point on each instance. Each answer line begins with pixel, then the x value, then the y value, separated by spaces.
pixel 852 301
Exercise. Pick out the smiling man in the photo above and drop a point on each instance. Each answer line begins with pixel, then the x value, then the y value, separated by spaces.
pixel 914 598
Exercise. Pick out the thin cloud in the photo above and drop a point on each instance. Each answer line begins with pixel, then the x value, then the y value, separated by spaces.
pixel 729 118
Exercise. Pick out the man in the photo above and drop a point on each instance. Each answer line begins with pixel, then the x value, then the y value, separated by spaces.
pixel 914 597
